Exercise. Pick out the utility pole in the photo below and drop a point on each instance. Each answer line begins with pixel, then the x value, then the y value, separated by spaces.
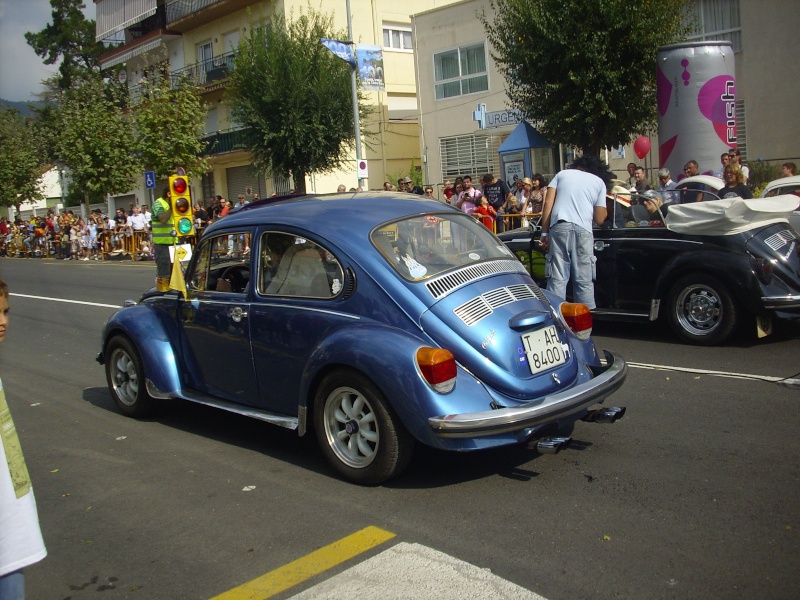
pixel 354 86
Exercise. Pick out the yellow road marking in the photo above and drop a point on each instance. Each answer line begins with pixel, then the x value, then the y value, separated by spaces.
pixel 308 566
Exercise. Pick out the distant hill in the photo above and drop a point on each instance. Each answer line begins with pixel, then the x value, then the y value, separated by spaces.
pixel 24 108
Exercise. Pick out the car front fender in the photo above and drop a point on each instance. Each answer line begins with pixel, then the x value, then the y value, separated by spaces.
pixel 731 268
pixel 142 326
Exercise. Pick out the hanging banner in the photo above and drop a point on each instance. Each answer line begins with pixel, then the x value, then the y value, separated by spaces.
pixel 370 67
pixel 343 50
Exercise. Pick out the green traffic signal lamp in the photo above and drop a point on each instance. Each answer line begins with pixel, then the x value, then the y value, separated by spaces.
pixel 181 199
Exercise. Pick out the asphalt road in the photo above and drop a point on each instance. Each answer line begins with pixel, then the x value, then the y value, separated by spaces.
pixel 694 494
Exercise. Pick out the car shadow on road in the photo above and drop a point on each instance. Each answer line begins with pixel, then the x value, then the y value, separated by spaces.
pixel 659 331
pixel 229 428
pixel 432 468
pixel 429 467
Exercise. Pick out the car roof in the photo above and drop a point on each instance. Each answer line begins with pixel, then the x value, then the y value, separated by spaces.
pixel 793 180
pixel 709 180
pixel 332 216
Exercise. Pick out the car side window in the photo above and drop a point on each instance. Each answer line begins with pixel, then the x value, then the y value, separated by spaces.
pixel 295 266
pixel 223 264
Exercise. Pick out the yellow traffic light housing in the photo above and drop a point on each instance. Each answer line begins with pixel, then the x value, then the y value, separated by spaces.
pixel 181 201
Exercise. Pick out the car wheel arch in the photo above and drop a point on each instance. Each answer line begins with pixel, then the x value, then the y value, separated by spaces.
pixel 379 367
pixel 731 273
pixel 160 361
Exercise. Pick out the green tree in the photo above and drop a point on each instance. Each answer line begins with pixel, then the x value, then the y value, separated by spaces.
pixel 584 72
pixel 95 139
pixel 168 120
pixel 71 39
pixel 21 159
pixel 295 97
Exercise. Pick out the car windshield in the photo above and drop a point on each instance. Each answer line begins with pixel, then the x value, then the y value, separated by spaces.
pixel 423 246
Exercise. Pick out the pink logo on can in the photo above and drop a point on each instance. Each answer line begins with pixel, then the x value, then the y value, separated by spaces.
pixel 717 103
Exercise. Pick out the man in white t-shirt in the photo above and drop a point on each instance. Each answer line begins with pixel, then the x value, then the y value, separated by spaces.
pixel 575 198
pixel 136 221
pixel 21 543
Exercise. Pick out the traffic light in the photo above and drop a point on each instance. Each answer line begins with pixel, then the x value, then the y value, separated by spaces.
pixel 181 200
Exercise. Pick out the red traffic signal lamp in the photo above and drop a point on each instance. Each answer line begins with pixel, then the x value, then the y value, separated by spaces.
pixel 181 200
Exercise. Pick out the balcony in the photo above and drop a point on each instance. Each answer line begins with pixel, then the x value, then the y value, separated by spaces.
pixel 208 72
pixel 230 140
pixel 185 15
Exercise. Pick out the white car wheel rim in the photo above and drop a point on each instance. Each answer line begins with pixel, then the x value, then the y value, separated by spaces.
pixel 351 427
pixel 124 377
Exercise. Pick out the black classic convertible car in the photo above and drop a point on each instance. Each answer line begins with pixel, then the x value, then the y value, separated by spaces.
pixel 707 267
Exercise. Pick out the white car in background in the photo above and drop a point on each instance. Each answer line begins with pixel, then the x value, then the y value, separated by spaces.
pixel 786 185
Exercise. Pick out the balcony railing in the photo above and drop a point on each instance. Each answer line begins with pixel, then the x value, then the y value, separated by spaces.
pixel 177 9
pixel 207 71
pixel 229 140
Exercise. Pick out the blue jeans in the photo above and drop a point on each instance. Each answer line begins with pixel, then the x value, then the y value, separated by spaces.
pixel 571 256
pixel 12 586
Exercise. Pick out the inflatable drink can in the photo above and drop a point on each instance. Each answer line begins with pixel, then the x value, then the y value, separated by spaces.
pixel 696 93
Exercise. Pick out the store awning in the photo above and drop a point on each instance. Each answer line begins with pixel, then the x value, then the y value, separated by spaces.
pixel 126 55
pixel 116 15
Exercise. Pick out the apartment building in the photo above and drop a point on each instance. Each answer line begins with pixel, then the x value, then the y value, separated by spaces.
pixel 465 115
pixel 199 38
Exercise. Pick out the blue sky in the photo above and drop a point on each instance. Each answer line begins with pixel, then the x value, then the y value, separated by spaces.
pixel 21 70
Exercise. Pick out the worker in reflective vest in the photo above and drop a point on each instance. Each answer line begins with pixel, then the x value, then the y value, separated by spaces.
pixel 162 240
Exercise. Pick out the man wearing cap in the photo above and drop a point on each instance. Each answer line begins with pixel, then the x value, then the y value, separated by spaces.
pixel 409 186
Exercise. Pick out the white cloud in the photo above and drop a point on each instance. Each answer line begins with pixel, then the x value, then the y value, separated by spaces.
pixel 21 70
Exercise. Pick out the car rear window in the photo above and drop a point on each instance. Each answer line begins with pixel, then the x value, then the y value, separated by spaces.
pixel 423 246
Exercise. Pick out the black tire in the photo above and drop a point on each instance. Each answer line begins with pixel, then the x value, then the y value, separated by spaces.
pixel 702 311
pixel 126 378
pixel 357 430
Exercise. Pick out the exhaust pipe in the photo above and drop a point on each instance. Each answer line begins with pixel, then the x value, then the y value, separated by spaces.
pixel 552 445
pixel 607 414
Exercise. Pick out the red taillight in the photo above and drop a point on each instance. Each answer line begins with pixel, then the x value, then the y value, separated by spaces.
pixel 762 268
pixel 438 367
pixel 179 186
pixel 578 318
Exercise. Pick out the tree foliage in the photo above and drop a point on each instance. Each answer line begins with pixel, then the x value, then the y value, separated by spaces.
pixel 95 139
pixel 584 72
pixel 70 38
pixel 295 97
pixel 168 120
pixel 21 159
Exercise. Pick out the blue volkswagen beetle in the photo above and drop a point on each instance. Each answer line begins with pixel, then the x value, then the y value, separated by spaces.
pixel 376 320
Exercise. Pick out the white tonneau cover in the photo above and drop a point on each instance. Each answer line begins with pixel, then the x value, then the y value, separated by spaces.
pixel 730 215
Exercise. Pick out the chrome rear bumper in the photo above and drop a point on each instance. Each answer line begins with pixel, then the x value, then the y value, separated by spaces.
pixel 607 380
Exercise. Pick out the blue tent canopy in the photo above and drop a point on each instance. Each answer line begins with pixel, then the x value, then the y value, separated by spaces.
pixel 523 137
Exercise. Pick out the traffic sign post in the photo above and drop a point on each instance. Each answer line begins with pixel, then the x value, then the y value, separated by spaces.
pixel 150 180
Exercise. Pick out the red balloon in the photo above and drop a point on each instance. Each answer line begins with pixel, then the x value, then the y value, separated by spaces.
pixel 641 146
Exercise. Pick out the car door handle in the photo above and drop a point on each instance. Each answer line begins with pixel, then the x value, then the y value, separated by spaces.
pixel 237 314
pixel 600 246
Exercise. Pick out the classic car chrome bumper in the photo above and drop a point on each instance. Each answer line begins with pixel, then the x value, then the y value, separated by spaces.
pixel 607 381
pixel 778 302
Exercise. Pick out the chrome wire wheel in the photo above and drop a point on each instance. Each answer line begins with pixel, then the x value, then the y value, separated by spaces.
pixel 351 427
pixel 124 377
pixel 699 309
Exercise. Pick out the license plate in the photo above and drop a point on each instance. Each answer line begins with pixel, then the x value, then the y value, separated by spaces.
pixel 543 349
